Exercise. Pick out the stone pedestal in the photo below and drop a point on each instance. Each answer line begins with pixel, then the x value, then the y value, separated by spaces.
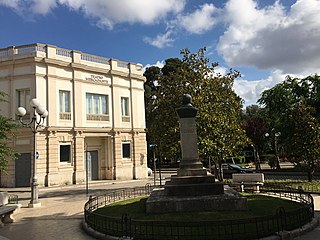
pixel 190 164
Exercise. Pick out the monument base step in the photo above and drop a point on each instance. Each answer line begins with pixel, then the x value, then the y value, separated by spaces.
pixel 174 179
pixel 159 202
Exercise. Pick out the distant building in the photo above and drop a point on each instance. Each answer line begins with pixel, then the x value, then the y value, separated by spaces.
pixel 96 114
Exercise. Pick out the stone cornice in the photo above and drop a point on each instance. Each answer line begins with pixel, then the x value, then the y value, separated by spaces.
pixel 94 129
pixel 13 61
pixel 78 66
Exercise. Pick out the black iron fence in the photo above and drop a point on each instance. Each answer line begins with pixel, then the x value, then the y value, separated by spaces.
pixel 251 228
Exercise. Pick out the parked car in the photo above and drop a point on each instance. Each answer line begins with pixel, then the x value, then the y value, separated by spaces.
pixel 149 170
pixel 228 169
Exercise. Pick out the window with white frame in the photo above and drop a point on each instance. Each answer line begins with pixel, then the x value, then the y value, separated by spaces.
pixel 64 105
pixel 125 109
pixel 65 152
pixel 126 150
pixel 97 107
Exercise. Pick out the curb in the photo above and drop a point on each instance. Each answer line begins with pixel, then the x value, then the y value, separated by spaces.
pixel 290 235
pixel 72 186
pixel 98 235
pixel 285 235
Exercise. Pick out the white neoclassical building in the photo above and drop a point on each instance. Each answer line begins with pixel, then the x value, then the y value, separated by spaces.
pixel 96 115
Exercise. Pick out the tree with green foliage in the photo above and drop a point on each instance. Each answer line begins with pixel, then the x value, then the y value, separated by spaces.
pixel 303 146
pixel 7 126
pixel 293 110
pixel 256 127
pixel 284 97
pixel 218 120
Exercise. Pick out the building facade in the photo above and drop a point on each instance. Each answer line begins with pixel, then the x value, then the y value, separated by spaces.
pixel 96 122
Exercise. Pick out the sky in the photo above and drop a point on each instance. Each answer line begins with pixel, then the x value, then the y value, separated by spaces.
pixel 265 40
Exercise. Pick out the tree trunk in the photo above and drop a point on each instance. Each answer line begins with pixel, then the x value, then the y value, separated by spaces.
pixel 278 163
pixel 220 174
pixel 257 158
pixel 310 175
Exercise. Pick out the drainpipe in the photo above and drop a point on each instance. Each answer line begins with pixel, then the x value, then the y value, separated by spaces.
pixel 113 152
pixel 134 175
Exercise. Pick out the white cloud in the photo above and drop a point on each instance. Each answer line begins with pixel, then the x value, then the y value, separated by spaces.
pixel 43 6
pixel 250 91
pixel 109 12
pixel 24 8
pixel 161 40
pixel 199 21
pixel 270 37
pixel 106 13
pixel 159 64
pixel 10 3
pixel 219 70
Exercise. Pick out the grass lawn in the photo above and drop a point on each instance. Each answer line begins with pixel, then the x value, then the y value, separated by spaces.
pixel 259 205
pixel 194 225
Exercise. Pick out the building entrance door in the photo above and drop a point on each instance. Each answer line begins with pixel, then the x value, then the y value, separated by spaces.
pixel 23 170
pixel 92 163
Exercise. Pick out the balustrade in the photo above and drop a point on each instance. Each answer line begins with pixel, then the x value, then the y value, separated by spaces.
pixel 63 52
pixel 33 48
pixel 96 59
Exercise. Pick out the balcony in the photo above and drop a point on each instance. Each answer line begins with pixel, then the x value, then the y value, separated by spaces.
pixel 125 119
pixel 97 117
pixel 65 116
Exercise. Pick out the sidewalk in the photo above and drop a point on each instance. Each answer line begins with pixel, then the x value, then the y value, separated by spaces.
pixel 61 212
pixel 315 234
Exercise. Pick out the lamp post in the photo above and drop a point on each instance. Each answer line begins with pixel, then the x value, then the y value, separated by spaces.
pixel 276 136
pixel 153 147
pixel 34 124
pixel 87 169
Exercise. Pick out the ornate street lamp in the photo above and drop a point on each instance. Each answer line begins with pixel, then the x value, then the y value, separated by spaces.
pixel 153 147
pixel 276 136
pixel 34 124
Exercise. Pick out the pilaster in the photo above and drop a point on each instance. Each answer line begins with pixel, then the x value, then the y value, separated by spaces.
pixel 78 158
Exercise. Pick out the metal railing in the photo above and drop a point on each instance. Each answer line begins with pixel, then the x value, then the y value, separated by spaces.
pixel 98 117
pixel 65 115
pixel 13 199
pixel 250 228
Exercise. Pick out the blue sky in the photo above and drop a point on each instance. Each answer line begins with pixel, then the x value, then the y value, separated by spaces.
pixel 264 39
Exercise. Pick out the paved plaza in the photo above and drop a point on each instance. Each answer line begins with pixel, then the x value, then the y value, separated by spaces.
pixel 61 212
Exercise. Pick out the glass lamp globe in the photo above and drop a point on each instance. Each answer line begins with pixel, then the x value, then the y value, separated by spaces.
pixel 45 114
pixel 21 111
pixel 34 103
pixel 40 109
